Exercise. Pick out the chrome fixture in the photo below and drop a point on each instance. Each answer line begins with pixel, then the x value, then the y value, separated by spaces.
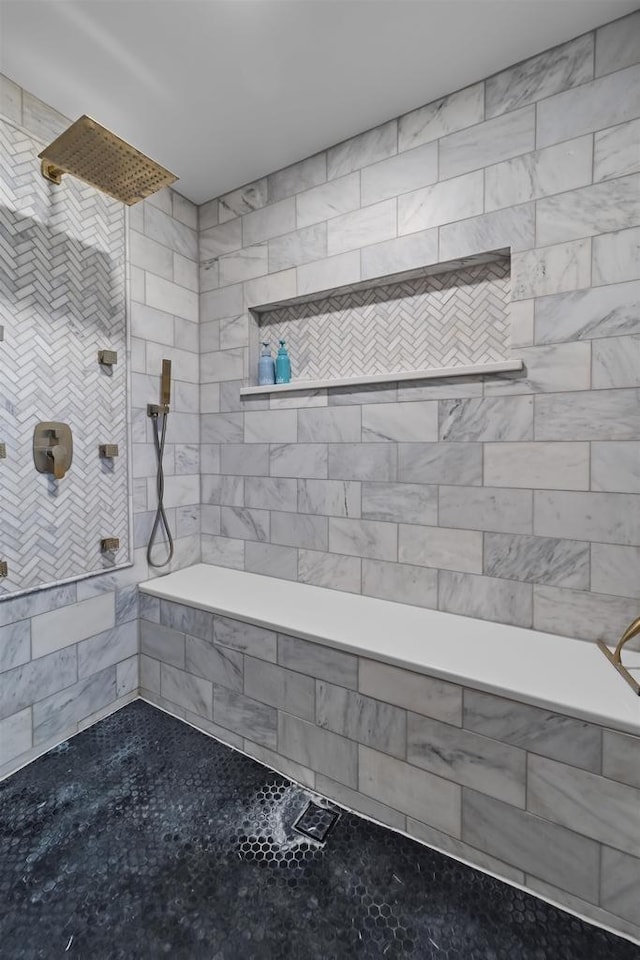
pixel 52 448
pixel 633 630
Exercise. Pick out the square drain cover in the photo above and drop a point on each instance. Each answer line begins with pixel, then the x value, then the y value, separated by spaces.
pixel 316 822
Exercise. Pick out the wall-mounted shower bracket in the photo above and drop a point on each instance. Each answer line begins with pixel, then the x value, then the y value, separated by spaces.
pixel 107 358
pixel 108 450
pixel 110 544
pixel 52 448
pixel 3 451
pixel 51 172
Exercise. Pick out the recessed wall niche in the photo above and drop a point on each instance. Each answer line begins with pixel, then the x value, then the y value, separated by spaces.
pixel 62 299
pixel 445 315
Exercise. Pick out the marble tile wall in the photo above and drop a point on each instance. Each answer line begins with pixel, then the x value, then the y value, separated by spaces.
pixel 511 498
pixel 69 654
pixel 541 799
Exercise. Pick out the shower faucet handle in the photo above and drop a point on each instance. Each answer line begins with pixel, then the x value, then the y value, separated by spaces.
pixel 52 448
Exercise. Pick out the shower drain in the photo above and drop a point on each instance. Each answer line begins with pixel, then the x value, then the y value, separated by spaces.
pixel 316 822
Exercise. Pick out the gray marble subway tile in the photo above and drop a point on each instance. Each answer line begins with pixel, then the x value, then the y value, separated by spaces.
pixel 41 119
pixel 370 393
pixel 223 552
pixel 440 463
pixel 399 174
pixel 167 230
pixel 253 196
pixel 615 570
pixel 219 664
pixel 371 224
pixel 400 582
pixel 245 637
pixel 54 715
pixel 534 845
pixel 621 757
pixel 222 427
pixel 316 660
pixel 11 100
pixel 329 200
pixel 486 508
pixel 308 460
pixel 617 44
pixel 603 517
pixel 230 399
pixel 15 644
pixel 149 608
pixel 531 728
pixel 615 151
pixel 272 288
pixel 245 716
pixel 601 208
pixel 616 466
pixel 616 361
pixel 127 676
pixel 489 766
pixel 244 264
pixel 15 735
pixel 521 321
pixel 596 807
pixel 512 227
pixel 446 202
pixel 245 459
pixel 553 269
pixel 487 143
pixel 352 800
pixel 298 399
pixel 208 276
pixel 363 538
pixel 298 177
pixel 409 422
pixel 592 106
pixel 538 465
pixel 227 491
pixel 489 419
pixel 542 173
pixel 320 750
pixel 149 674
pixel 561 563
pixel 401 253
pixel 271 221
pixel 373 145
pixel 620 883
pixel 162 643
pixel 234 332
pixel 41 602
pixel 242 523
pixel 289 691
pixel 588 314
pixel 447 388
pixel 400 502
pixel 577 613
pixel 299 530
pixel 37 679
pixel 152 256
pixel 226 302
pixel 271 426
pixel 414 691
pixel 275 761
pixel 329 273
pixel 598 415
pixel 357 717
pixel 462 851
pixel 331 498
pixel 300 246
pixel 329 425
pixel 548 73
pixel 271 493
pixel 107 648
pixel 329 570
pixel 362 461
pixel 440 547
pixel 210 519
pixel 185 619
pixel 418 793
pixel 214 730
pixel 464 108
pixel 486 598
pixel 188 691
pixel 222 365
pixel 616 256
pixel 271 560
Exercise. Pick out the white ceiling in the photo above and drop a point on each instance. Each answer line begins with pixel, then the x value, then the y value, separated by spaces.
pixel 225 91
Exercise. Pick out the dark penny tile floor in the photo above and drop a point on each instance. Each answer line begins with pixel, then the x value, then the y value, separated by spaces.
pixel 143 838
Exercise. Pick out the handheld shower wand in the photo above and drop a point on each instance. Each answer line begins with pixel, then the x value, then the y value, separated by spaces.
pixel 155 411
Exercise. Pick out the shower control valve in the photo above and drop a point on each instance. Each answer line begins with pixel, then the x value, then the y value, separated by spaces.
pixel 157 409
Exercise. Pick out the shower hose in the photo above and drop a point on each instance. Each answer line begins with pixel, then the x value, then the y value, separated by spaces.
pixel 160 521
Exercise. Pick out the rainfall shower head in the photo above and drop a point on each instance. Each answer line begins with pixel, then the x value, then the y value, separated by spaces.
pixel 92 153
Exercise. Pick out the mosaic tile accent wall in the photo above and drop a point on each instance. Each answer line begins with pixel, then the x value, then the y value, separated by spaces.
pixel 441 320
pixel 62 298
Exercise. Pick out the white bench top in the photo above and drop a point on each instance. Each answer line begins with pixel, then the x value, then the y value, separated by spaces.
pixel 558 673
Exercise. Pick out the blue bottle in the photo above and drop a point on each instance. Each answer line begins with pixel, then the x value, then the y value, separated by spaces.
pixel 266 366
pixel 283 365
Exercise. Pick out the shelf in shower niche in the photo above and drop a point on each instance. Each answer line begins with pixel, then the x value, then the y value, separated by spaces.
pixel 399 376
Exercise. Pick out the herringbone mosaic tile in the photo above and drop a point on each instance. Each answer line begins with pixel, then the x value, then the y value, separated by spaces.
pixel 448 319
pixel 62 298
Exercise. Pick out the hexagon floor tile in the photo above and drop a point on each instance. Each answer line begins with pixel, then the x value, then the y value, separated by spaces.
pixel 143 838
